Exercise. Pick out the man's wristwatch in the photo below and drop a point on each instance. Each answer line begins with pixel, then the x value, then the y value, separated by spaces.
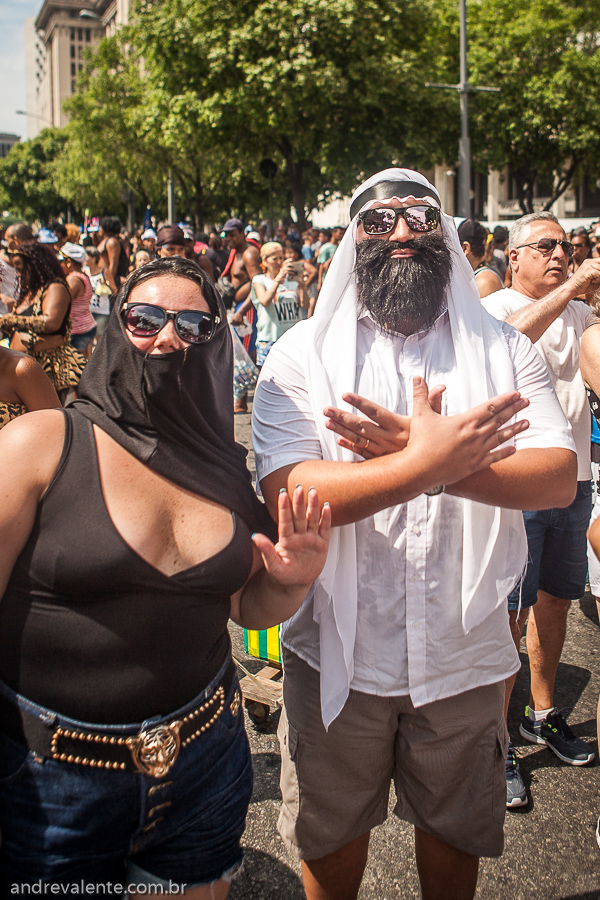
pixel 434 491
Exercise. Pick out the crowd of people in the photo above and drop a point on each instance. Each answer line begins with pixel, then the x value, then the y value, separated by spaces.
pixel 426 390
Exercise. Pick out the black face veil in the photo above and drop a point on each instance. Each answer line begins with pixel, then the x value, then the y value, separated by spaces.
pixel 174 412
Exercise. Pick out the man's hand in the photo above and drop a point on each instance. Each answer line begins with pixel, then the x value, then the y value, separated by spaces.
pixel 381 432
pixel 300 553
pixel 470 439
pixel 587 277
pixel 460 445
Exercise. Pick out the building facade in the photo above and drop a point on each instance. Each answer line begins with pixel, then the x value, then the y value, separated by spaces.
pixel 55 44
pixel 7 141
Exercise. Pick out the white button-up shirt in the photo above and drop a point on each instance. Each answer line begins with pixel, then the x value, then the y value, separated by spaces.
pixel 409 635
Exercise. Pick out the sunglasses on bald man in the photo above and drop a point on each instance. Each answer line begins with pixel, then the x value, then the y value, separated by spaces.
pixel 383 219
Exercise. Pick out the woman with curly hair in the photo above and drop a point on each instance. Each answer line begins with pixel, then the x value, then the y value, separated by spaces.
pixel 41 324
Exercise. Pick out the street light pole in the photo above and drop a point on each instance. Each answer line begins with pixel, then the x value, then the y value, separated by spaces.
pixel 464 144
pixel 464 147
pixel 22 112
pixel 171 199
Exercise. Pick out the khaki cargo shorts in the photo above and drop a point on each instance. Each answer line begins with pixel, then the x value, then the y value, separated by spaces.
pixel 446 759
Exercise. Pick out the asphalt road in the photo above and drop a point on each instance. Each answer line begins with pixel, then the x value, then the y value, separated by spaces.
pixel 550 846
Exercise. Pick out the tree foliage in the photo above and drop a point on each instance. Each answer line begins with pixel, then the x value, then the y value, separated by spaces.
pixel 543 55
pixel 329 90
pixel 28 177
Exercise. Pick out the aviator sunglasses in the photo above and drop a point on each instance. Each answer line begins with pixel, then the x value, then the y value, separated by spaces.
pixel 548 245
pixel 192 326
pixel 383 219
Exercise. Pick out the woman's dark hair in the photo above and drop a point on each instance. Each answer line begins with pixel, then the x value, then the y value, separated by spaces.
pixel 297 250
pixel 178 267
pixel 110 225
pixel 41 265
pixel 582 232
pixel 474 232
pixel 59 230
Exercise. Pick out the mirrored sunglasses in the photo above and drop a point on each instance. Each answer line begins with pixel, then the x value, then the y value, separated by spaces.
pixel 192 326
pixel 383 219
pixel 548 245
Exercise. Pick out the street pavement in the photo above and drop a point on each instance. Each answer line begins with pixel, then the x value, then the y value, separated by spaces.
pixel 550 846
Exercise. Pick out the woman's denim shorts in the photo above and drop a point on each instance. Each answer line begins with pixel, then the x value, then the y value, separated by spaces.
pixel 69 824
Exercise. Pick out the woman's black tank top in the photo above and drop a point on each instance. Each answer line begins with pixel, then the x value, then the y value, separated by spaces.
pixel 91 630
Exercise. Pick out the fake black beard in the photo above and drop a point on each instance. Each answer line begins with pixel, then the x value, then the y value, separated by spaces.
pixel 403 295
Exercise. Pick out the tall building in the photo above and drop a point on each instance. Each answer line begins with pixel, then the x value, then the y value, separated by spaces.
pixel 7 141
pixel 55 42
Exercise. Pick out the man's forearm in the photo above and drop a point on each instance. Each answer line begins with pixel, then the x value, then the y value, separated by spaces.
pixel 243 292
pixel 530 479
pixel 244 307
pixel 536 317
pixel 353 490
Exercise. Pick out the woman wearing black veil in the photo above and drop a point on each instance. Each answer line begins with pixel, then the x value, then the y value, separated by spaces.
pixel 130 534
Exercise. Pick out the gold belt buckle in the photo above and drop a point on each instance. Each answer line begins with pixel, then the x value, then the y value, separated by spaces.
pixel 155 751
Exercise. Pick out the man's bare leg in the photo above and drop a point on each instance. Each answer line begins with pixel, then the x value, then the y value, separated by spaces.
pixel 545 638
pixel 338 875
pixel 445 873
pixel 517 624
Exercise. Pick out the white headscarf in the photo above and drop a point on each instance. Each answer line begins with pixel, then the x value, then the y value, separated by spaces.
pixel 494 547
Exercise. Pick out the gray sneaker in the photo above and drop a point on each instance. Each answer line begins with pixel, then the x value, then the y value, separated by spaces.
pixel 516 793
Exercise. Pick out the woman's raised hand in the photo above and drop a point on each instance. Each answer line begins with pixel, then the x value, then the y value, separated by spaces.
pixel 299 555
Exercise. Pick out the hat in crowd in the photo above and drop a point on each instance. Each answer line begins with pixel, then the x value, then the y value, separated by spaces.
pixel 74 251
pixel 253 236
pixel 170 234
pixel 149 233
pixel 46 236
pixel 233 225
pixel 188 232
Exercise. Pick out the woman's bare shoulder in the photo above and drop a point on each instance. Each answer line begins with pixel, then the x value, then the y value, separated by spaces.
pixel 31 445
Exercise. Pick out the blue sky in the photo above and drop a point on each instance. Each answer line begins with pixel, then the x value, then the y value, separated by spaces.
pixel 12 63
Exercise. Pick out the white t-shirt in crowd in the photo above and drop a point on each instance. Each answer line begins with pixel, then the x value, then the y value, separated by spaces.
pixel 278 317
pixel 409 634
pixel 559 348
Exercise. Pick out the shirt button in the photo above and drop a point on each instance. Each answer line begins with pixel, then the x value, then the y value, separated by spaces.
pixel 416 530
pixel 416 626
pixel 414 578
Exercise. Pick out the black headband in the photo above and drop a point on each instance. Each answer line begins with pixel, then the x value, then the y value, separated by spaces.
pixel 383 190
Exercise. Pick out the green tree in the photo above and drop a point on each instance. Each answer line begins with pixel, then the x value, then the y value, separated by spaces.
pixel 128 129
pixel 543 55
pixel 27 177
pixel 329 90
pixel 108 149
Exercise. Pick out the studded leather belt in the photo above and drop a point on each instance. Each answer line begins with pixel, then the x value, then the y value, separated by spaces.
pixel 152 751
